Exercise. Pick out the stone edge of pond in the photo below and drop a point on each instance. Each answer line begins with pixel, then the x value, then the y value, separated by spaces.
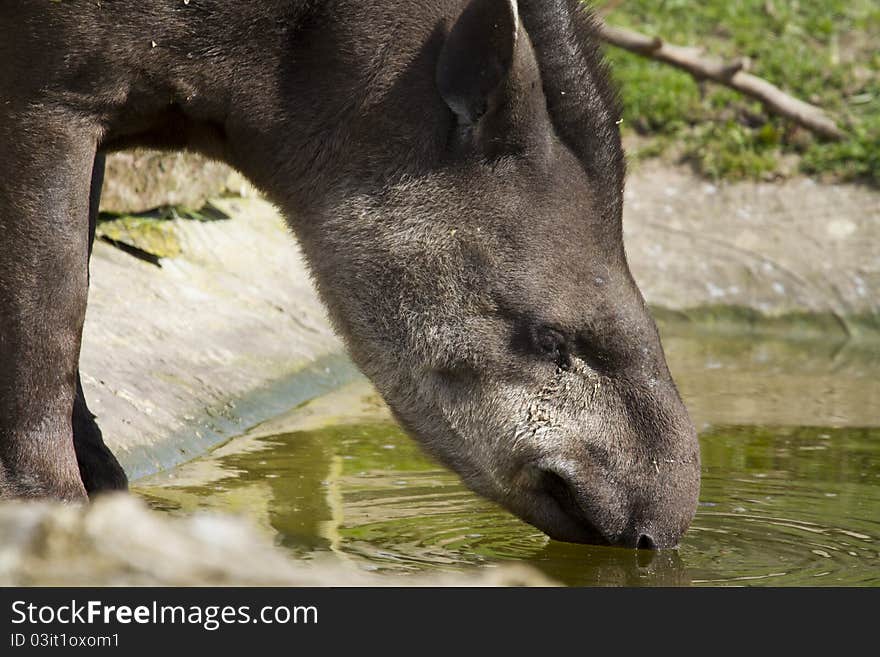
pixel 785 249
pixel 743 320
pixel 182 353
pixel 209 430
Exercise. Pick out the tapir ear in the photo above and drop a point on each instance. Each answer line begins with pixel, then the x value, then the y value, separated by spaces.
pixel 477 57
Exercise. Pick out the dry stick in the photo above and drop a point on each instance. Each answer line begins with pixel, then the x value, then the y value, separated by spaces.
pixel 731 75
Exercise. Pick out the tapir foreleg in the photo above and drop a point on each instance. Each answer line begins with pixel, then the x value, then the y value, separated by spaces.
pixel 46 162
pixel 99 469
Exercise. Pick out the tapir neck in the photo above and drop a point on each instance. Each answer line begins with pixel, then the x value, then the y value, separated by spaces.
pixel 334 99
pixel 349 104
pixel 311 99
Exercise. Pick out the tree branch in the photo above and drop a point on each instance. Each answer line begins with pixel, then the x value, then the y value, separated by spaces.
pixel 731 74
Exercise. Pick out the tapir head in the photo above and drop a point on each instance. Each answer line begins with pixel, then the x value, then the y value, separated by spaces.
pixel 488 296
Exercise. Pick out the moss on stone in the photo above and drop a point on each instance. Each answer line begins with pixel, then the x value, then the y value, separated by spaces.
pixel 740 319
pixel 154 236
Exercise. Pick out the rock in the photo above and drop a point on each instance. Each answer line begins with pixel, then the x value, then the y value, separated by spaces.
pixel 137 181
pixel 118 541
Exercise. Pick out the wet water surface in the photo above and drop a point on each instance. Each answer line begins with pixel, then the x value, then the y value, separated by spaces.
pixel 790 435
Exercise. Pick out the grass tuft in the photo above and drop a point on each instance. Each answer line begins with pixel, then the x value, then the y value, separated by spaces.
pixel 823 52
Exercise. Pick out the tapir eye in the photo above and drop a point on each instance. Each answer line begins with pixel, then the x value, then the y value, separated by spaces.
pixel 552 344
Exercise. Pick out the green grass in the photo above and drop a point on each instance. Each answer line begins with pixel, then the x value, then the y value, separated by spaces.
pixel 826 52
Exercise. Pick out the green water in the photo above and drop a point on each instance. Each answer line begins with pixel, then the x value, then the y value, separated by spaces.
pixel 790 435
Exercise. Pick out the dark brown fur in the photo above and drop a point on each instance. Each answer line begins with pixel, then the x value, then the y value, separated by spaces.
pixel 454 172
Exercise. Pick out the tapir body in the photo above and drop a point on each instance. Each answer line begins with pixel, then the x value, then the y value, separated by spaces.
pixel 453 170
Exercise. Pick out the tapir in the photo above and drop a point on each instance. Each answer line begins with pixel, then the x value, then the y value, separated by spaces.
pixel 453 171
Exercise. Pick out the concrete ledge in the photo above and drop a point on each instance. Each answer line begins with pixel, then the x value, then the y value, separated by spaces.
pixel 180 357
pixel 797 247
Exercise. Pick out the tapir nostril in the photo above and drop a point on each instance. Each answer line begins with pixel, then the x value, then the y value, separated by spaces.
pixel 571 503
pixel 559 489
pixel 646 542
